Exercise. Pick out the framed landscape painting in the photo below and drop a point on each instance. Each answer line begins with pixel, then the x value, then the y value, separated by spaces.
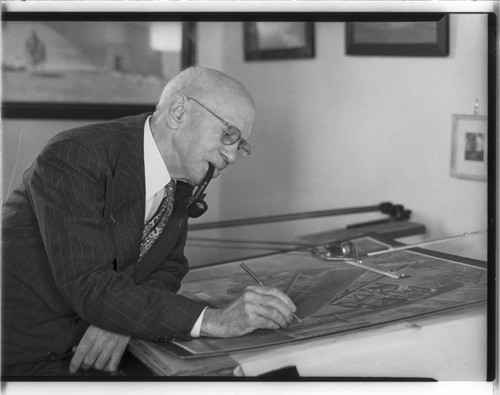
pixel 398 38
pixel 85 68
pixel 278 40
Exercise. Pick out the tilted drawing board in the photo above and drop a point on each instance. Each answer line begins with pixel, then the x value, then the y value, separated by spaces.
pixel 335 297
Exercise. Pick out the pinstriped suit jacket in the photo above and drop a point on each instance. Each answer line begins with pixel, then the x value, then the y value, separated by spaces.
pixel 71 240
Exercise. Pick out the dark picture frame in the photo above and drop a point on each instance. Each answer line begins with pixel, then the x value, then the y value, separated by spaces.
pixel 55 106
pixel 279 40
pixel 401 38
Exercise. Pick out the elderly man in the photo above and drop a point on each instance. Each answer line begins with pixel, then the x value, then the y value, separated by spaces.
pixel 93 239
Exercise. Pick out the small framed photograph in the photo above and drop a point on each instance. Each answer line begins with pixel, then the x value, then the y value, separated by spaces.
pixel 469 149
pixel 278 40
pixel 411 38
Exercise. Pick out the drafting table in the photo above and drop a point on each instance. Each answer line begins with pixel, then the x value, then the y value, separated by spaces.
pixel 448 346
pixel 445 348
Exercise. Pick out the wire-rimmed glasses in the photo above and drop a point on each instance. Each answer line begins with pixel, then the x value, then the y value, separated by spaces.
pixel 230 135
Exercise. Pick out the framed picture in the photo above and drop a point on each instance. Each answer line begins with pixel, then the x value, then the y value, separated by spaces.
pixel 55 68
pixel 470 147
pixel 278 40
pixel 412 38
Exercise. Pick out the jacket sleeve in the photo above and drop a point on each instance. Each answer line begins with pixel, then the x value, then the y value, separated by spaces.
pixel 67 187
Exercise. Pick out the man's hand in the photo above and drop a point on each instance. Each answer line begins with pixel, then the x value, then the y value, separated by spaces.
pixel 99 349
pixel 257 307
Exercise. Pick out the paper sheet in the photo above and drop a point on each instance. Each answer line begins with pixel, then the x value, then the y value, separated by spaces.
pixel 334 297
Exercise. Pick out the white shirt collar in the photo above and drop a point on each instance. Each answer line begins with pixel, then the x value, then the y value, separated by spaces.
pixel 156 172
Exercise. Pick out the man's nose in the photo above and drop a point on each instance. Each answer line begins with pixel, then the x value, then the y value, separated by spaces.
pixel 229 152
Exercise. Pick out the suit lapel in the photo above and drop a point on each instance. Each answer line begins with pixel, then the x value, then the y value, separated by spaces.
pixel 125 204
pixel 125 200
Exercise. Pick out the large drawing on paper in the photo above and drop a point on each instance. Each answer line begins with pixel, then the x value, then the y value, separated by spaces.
pixel 334 297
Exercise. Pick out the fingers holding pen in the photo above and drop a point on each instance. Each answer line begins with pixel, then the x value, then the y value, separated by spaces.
pixel 275 298
pixel 274 291
pixel 257 307
pixel 270 303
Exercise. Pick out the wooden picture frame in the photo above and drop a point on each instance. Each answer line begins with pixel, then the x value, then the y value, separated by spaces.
pixel 401 38
pixel 469 156
pixel 278 40
pixel 92 67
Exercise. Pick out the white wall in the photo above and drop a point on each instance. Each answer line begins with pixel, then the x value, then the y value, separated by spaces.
pixel 341 131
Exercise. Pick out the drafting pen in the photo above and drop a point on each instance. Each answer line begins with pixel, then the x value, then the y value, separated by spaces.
pixel 259 281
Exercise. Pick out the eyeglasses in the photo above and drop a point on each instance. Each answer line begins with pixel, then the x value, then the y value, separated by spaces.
pixel 230 135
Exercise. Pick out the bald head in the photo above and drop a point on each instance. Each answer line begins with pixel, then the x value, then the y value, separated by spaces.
pixel 209 85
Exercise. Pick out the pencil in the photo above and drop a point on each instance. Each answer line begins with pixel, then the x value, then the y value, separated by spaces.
pixel 259 281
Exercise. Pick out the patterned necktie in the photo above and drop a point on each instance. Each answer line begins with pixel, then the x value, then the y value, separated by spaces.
pixel 155 226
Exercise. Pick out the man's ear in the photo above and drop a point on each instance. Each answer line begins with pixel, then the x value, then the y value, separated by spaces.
pixel 176 110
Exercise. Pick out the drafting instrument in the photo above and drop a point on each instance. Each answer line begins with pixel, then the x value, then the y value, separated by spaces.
pixel 348 253
pixel 358 263
pixel 259 281
pixel 291 284
pixel 423 243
